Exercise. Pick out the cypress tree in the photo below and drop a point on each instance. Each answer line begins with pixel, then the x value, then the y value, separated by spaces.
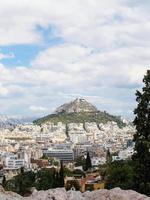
pixel 88 163
pixel 61 175
pixel 108 156
pixel 141 156
pixel 4 181
pixel 54 179
pixel 57 179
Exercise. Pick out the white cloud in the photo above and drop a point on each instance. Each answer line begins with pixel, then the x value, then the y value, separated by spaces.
pixel 4 56
pixel 58 58
pixel 37 108
pixel 95 23
pixel 106 49
pixel 3 91
pixel 82 65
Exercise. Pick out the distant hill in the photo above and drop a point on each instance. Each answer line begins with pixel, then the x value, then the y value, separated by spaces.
pixel 7 121
pixel 79 111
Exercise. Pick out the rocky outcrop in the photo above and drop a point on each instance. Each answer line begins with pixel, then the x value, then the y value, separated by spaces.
pixel 78 105
pixel 61 194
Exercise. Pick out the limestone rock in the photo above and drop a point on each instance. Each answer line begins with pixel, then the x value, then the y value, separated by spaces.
pixel 53 194
pixel 61 194
pixel 76 106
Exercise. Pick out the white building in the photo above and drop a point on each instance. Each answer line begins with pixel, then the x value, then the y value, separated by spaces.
pixel 11 161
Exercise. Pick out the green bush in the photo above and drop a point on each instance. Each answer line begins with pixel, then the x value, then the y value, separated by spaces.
pixel 120 174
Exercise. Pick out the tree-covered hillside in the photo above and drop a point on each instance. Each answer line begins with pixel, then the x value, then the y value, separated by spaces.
pixel 81 117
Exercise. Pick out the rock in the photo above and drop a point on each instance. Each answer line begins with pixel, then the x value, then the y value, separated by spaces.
pixel 75 195
pixel 114 194
pixel 61 194
pixel 1 189
pixel 76 106
pixel 10 196
pixel 53 194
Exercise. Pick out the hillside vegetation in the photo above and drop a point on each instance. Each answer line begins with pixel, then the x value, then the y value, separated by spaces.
pixel 81 117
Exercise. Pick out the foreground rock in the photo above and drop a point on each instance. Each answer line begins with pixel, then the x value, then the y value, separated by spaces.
pixel 61 194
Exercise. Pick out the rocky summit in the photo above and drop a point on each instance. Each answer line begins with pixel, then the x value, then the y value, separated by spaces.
pixel 76 106
pixel 61 194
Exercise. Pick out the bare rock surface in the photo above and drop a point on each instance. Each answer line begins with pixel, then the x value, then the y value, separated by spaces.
pixel 61 194
pixel 76 106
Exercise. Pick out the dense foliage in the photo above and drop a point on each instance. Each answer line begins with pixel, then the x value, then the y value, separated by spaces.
pixel 80 161
pixel 120 174
pixel 43 179
pixel 82 117
pixel 141 157
pixel 21 183
pixel 79 172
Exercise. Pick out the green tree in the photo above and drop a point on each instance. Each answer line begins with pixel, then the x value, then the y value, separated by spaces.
pixel 4 181
pixel 44 157
pixel 61 175
pixel 103 171
pixel 28 179
pixel 56 179
pixel 120 174
pixel 45 179
pixel 78 172
pixel 80 161
pixel 88 164
pixel 21 183
pixel 108 157
pixel 55 163
pixel 67 172
pixel 141 156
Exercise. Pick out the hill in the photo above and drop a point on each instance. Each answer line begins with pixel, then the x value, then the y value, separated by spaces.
pixel 7 121
pixel 79 111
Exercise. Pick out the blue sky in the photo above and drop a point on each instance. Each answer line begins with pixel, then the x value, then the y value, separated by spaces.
pixel 52 52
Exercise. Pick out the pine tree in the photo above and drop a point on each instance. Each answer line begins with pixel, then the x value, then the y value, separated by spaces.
pixel 141 156
pixel 88 164
pixel 61 175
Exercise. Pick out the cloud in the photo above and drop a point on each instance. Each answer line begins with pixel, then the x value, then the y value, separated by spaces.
pixel 93 23
pixel 104 55
pixel 5 56
pixel 76 69
pixel 3 91
pixel 37 108
pixel 59 57
pixel 82 65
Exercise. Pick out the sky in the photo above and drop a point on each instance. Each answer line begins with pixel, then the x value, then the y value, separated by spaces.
pixel 53 51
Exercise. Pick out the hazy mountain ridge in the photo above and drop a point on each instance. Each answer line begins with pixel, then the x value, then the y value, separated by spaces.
pixel 7 121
